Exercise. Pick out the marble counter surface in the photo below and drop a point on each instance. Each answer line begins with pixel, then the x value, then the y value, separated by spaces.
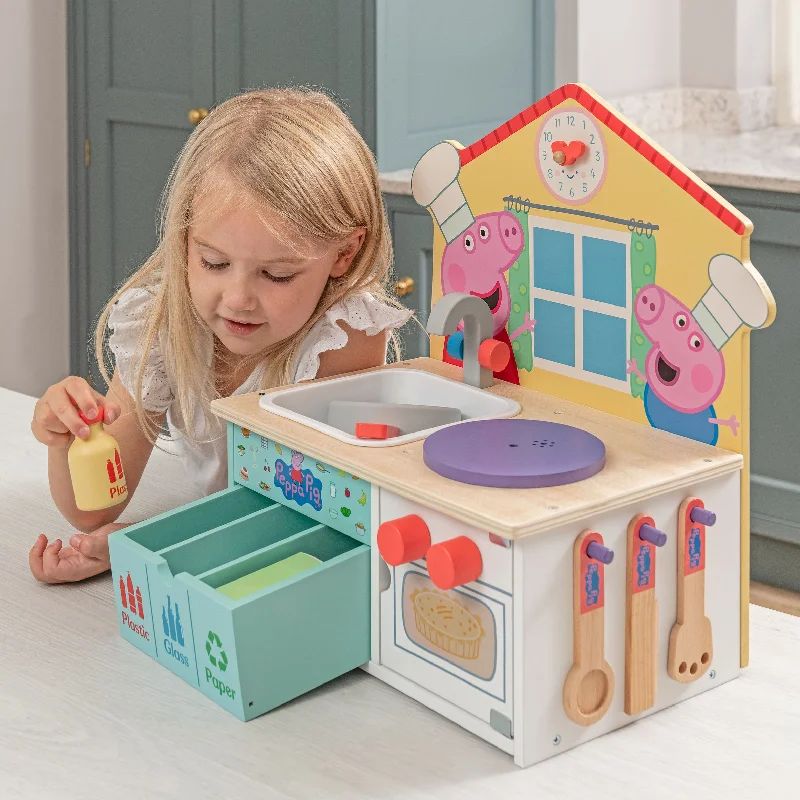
pixel 767 159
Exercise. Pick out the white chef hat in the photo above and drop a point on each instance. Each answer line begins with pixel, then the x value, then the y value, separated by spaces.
pixel 434 184
pixel 735 298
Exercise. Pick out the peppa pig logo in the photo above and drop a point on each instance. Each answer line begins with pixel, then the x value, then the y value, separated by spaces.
pixel 695 548
pixel 298 484
pixel 643 566
pixel 592 585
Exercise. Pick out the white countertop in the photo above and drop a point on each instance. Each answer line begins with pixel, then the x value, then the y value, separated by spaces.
pixel 767 159
pixel 83 714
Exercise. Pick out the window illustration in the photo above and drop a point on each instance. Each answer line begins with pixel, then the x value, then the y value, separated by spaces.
pixel 581 300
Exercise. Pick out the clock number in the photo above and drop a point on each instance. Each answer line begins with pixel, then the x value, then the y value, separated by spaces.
pixel 597 155
pixel 570 119
pixel 548 137
pixel 560 185
pixel 549 173
pixel 544 155
pixel 584 124
pixel 591 137
pixel 558 122
pixel 593 175
pixel 571 192
pixel 585 188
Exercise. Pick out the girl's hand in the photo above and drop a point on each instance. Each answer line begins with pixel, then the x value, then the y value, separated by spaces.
pixel 55 416
pixel 87 556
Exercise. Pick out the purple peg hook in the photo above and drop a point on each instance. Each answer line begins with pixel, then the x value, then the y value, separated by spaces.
pixel 652 535
pixel 599 553
pixel 703 516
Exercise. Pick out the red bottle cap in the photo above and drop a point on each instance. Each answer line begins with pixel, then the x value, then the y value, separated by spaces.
pixel 98 418
pixel 403 540
pixel 454 562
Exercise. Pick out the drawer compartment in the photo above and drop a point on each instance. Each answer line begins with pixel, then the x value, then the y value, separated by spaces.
pixel 252 654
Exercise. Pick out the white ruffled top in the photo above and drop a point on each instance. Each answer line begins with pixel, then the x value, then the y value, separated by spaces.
pixel 206 463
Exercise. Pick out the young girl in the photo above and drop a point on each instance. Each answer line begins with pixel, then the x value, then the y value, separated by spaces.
pixel 273 256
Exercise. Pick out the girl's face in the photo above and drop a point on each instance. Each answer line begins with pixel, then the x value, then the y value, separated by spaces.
pixel 249 285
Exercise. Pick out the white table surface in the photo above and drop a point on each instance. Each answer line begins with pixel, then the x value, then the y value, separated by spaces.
pixel 83 714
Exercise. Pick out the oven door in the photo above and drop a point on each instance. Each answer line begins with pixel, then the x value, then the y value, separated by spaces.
pixel 456 643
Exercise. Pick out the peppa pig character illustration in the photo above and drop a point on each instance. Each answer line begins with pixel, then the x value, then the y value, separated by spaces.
pixel 684 370
pixel 297 461
pixel 478 252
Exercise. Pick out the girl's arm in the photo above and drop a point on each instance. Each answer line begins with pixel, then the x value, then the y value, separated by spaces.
pixel 135 449
pixel 360 352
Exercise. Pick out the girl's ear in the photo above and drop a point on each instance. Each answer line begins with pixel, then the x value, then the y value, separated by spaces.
pixel 348 252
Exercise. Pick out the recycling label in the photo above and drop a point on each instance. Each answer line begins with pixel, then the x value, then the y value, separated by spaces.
pixel 218 658
pixel 216 655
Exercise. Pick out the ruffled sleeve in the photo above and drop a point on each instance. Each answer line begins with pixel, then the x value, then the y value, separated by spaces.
pixel 127 320
pixel 361 312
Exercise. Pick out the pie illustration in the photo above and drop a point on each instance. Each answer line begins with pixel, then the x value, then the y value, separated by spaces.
pixel 447 624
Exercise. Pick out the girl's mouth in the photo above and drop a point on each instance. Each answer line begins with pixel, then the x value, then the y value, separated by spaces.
pixel 241 328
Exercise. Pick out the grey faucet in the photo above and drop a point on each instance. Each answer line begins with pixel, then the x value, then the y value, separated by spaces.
pixel 444 319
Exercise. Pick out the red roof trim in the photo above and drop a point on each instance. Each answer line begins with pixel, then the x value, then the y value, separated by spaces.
pixel 572 91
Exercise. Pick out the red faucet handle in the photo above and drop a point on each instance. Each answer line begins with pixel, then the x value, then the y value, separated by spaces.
pixel 494 355
pixel 404 539
pixel 454 562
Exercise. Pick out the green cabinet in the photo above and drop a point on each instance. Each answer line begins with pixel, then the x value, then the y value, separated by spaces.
pixel 774 389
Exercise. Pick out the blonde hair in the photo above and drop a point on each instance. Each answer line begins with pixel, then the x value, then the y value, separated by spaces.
pixel 291 152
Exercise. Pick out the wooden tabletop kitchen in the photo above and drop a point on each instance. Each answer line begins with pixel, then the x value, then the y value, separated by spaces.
pixel 85 715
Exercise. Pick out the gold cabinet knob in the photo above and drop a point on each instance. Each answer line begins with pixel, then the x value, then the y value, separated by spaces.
pixel 197 115
pixel 404 286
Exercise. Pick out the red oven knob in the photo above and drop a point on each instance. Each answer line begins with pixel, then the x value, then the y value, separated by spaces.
pixel 403 540
pixel 454 562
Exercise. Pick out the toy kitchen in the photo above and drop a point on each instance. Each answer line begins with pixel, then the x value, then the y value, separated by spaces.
pixel 542 531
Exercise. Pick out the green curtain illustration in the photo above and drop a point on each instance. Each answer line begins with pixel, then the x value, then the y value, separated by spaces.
pixel 643 272
pixel 520 297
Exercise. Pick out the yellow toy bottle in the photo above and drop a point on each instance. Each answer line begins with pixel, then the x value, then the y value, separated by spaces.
pixel 95 467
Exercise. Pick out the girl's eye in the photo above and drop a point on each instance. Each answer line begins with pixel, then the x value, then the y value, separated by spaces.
pixel 483 232
pixel 680 321
pixel 279 278
pixel 212 265
pixel 695 342
pixel 469 243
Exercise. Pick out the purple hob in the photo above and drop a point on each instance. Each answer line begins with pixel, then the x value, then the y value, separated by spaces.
pixel 514 453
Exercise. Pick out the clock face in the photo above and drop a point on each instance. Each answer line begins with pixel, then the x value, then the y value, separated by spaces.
pixel 571 155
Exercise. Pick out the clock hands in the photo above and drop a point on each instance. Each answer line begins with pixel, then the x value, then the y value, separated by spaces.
pixel 566 154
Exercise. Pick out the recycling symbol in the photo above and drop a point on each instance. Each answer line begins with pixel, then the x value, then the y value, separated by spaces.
pixel 216 655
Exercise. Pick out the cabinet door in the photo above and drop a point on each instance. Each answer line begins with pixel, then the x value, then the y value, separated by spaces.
pixel 146 65
pixel 330 45
pixel 412 237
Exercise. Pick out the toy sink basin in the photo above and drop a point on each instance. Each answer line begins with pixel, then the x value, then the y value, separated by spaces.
pixel 308 403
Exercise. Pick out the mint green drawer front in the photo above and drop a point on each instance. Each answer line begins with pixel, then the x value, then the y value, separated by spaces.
pixel 252 654
pixel 320 491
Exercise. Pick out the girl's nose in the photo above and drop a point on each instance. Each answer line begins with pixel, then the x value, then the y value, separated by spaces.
pixel 239 295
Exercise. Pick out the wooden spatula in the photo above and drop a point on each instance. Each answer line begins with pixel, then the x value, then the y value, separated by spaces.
pixel 589 687
pixel 690 643
pixel 641 615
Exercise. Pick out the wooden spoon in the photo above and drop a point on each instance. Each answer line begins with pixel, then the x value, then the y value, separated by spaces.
pixel 690 642
pixel 589 687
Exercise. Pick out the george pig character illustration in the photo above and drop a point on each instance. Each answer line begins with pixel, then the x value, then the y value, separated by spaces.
pixel 478 251
pixel 297 462
pixel 684 370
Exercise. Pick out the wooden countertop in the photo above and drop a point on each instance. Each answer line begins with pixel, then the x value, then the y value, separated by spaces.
pixel 639 461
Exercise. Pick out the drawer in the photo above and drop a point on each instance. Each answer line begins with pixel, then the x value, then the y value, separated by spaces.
pixel 324 492
pixel 251 654
pixel 496 557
